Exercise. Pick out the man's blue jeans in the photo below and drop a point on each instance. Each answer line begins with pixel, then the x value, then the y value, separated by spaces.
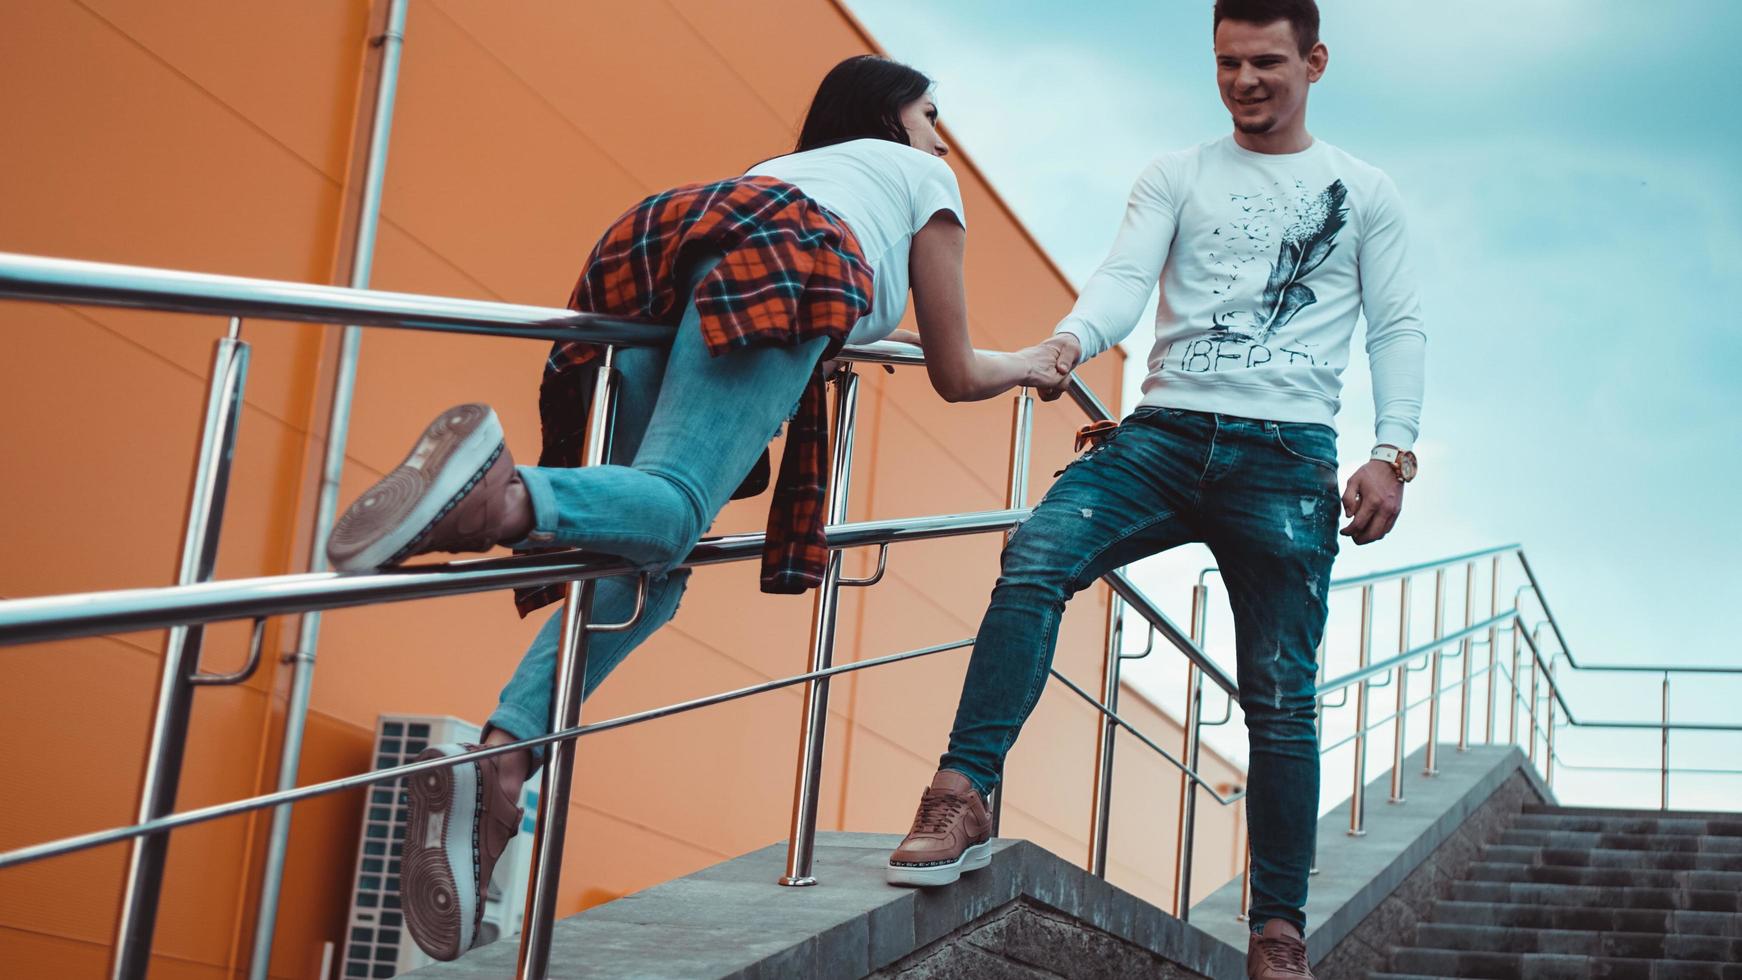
pixel 1263 496
pixel 689 426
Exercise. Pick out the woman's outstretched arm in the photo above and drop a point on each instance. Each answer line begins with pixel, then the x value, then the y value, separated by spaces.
pixel 940 304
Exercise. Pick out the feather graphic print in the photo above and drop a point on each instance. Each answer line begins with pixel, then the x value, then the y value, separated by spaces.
pixel 1305 246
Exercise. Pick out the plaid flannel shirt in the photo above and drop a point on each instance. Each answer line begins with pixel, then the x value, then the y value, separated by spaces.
pixel 790 272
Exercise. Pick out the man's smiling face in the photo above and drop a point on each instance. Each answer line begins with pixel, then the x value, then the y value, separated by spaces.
pixel 1263 75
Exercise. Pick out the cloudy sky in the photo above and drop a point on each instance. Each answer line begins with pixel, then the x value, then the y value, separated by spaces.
pixel 1573 173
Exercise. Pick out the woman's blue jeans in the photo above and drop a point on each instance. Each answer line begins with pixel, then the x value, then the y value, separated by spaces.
pixel 1263 496
pixel 689 426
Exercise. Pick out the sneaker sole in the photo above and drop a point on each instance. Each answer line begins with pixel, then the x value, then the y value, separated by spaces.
pixel 931 876
pixel 388 521
pixel 441 905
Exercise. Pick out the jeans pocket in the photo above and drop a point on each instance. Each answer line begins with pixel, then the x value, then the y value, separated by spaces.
pixel 1308 442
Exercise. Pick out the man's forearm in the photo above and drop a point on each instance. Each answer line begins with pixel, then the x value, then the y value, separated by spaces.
pixel 1398 359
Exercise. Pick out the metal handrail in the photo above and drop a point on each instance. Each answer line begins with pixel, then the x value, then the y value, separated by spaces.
pixel 1509 621
pixel 1392 574
pixel 1561 761
pixel 1144 607
pixel 1567 650
pixel 67 616
pixel 217 811
pixel 1114 717
pixel 80 842
pixel 36 619
pixel 56 280
pixel 1575 721
pixel 1374 725
pixel 1384 666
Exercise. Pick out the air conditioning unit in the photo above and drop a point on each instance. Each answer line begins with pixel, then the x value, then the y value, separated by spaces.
pixel 376 943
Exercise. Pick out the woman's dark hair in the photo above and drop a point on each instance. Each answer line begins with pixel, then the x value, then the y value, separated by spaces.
pixel 861 98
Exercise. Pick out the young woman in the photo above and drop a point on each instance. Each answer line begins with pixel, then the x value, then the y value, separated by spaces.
pixel 801 254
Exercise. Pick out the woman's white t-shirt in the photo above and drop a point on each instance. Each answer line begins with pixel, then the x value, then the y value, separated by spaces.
pixel 885 192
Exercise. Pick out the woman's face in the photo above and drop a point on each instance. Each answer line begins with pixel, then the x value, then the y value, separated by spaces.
pixel 920 118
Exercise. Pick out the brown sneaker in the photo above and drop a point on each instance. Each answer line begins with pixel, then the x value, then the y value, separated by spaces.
pixel 1277 953
pixel 461 819
pixel 456 491
pixel 952 833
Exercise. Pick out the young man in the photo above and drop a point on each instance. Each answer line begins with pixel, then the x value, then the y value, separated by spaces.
pixel 1267 245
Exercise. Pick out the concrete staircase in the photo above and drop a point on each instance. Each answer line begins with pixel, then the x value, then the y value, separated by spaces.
pixel 1477 874
pixel 1571 892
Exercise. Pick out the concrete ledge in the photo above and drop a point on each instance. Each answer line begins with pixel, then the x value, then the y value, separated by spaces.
pixel 733 921
pixel 1356 874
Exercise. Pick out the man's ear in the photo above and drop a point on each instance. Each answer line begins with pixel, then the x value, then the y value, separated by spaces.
pixel 1317 60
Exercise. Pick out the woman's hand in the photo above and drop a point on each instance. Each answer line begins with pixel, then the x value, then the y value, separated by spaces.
pixel 1047 365
pixel 899 336
pixel 1042 368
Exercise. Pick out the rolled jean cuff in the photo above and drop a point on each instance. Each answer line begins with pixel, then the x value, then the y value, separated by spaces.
pixel 544 508
pixel 516 722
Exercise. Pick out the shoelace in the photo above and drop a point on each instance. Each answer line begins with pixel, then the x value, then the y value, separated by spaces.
pixel 937 810
pixel 1285 954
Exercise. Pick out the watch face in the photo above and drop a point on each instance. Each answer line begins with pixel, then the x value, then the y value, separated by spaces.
pixel 1406 466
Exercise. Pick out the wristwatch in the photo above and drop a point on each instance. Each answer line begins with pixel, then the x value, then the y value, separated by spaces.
pixel 1402 461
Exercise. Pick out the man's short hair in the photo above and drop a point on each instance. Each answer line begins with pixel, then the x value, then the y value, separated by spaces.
pixel 1302 15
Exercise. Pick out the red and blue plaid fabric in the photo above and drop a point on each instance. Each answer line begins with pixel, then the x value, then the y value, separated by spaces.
pixel 789 272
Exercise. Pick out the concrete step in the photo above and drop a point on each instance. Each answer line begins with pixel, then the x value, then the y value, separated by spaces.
pixel 1605 877
pixel 1594 897
pixel 1584 841
pixel 1566 942
pixel 1028 914
pixel 1589 919
pixel 1609 858
pixel 1686 826
pixel 1553 966
pixel 1597 811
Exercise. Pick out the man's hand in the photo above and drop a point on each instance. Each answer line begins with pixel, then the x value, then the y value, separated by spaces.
pixel 1038 367
pixel 1066 350
pixel 1372 502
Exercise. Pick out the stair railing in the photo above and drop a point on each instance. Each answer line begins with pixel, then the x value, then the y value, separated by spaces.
pixel 1433 654
pixel 188 606
pixel 185 608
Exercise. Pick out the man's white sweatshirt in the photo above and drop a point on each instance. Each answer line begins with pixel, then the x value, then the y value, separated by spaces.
pixel 1265 261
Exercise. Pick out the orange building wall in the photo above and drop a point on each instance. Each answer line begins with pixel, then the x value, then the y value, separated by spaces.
pixel 219 137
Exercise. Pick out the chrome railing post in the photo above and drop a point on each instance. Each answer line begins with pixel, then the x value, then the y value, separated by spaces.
pixel 1358 799
pixel 1402 682
pixel 1512 683
pixel 1663 769
pixel 1102 804
pixel 1464 648
pixel 557 778
pixel 1016 496
pixel 1021 437
pixel 181 656
pixel 1192 733
pixel 1246 879
pixel 1535 672
pixel 301 661
pixel 1318 732
pixel 1431 767
pixel 801 844
pixel 1548 750
pixel 1493 645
